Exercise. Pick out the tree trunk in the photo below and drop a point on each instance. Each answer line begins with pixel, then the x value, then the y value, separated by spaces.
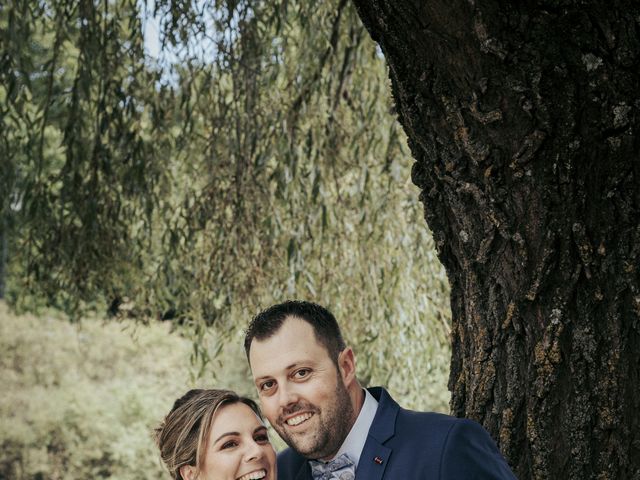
pixel 524 123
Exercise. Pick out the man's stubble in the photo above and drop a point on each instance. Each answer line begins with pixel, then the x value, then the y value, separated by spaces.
pixel 335 423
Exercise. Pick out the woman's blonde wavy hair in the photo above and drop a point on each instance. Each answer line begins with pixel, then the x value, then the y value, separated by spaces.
pixel 182 436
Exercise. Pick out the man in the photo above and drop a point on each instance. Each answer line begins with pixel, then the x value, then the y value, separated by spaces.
pixel 306 380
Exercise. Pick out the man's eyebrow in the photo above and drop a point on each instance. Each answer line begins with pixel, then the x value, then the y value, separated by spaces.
pixel 288 367
pixel 228 434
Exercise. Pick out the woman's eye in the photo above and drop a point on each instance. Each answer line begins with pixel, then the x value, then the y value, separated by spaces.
pixel 229 444
pixel 262 438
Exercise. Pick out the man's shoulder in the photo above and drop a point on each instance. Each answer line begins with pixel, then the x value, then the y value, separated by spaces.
pixel 289 455
pixel 289 463
pixel 431 427
pixel 410 418
pixel 438 425
pixel 442 445
pixel 431 417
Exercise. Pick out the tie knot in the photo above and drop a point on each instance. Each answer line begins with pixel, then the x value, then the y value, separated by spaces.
pixel 340 468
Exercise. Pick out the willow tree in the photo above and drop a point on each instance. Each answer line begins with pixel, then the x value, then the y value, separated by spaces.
pixel 524 123
pixel 255 159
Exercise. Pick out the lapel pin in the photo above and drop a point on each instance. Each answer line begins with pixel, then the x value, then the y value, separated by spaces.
pixel 378 460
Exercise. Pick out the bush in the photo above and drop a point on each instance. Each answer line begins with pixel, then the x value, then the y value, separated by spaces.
pixel 80 401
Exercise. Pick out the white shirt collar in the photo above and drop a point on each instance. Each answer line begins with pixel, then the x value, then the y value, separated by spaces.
pixel 354 443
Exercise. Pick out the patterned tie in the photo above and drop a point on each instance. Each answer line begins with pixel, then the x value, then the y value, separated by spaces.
pixel 340 468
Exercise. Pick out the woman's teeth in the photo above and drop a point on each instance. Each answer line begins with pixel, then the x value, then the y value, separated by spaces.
pixel 254 475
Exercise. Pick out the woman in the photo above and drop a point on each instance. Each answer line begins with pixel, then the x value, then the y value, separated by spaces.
pixel 216 435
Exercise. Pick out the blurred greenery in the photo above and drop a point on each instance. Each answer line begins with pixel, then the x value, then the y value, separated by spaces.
pixel 256 158
pixel 80 400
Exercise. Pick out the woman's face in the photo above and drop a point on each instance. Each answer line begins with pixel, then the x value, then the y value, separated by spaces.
pixel 238 447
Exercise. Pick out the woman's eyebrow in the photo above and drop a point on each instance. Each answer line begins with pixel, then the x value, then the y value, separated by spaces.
pixel 228 434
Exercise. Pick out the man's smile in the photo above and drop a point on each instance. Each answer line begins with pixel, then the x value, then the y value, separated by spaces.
pixel 298 419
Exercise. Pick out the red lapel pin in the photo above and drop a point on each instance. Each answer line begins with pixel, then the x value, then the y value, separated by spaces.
pixel 378 460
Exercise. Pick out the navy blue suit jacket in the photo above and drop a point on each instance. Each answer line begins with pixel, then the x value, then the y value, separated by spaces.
pixel 406 445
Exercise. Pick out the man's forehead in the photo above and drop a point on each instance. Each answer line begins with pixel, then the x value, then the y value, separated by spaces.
pixel 293 344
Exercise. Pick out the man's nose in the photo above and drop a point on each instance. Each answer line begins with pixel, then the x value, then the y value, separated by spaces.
pixel 288 396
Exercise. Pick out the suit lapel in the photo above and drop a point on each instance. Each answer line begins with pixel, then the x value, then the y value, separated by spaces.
pixel 375 455
pixel 373 461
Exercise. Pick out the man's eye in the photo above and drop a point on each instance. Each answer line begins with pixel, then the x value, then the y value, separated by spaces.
pixel 303 372
pixel 229 444
pixel 268 385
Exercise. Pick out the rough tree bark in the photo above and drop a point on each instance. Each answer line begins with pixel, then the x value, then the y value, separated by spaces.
pixel 524 121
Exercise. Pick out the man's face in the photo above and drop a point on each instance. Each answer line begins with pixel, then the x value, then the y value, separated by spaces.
pixel 301 391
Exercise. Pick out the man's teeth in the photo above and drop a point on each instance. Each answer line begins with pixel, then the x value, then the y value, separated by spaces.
pixel 298 419
pixel 254 475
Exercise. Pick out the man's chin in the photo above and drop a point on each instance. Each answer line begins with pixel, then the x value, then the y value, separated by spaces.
pixel 310 453
pixel 305 447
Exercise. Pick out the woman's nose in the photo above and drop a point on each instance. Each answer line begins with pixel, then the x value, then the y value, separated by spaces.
pixel 253 451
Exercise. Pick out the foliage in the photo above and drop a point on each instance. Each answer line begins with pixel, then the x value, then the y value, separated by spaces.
pixel 256 160
pixel 80 401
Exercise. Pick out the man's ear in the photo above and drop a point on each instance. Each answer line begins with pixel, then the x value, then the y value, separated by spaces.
pixel 188 472
pixel 347 366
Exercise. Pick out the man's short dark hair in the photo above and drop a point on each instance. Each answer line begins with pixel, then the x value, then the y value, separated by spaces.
pixel 268 322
